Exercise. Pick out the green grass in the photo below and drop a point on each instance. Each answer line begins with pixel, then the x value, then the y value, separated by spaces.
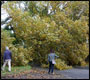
pixel 15 70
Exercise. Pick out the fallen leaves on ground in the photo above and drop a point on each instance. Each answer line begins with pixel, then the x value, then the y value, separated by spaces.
pixel 33 74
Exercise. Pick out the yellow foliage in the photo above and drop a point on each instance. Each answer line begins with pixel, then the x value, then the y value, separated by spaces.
pixel 63 31
pixel 61 65
pixel 83 63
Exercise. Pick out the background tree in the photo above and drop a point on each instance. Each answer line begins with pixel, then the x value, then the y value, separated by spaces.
pixel 61 25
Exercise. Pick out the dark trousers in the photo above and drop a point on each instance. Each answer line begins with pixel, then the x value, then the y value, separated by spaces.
pixel 51 67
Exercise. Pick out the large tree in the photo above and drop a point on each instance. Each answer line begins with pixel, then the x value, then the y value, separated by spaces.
pixel 64 28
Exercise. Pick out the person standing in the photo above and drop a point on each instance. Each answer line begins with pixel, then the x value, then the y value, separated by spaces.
pixel 7 59
pixel 51 59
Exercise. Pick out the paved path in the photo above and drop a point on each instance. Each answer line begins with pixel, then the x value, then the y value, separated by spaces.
pixel 76 73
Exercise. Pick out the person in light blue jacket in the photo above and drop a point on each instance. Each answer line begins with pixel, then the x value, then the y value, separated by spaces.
pixel 51 59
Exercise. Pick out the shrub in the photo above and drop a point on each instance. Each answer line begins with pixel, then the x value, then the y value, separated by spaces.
pixel 61 65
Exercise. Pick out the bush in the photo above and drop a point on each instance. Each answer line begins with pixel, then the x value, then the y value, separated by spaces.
pixel 83 63
pixel 20 56
pixel 61 65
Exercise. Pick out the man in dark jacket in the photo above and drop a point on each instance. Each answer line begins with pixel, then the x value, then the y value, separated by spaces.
pixel 7 59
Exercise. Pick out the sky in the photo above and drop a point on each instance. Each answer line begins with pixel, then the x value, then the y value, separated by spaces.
pixel 4 15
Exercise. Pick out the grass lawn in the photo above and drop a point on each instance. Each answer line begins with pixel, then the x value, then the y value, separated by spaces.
pixel 15 70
